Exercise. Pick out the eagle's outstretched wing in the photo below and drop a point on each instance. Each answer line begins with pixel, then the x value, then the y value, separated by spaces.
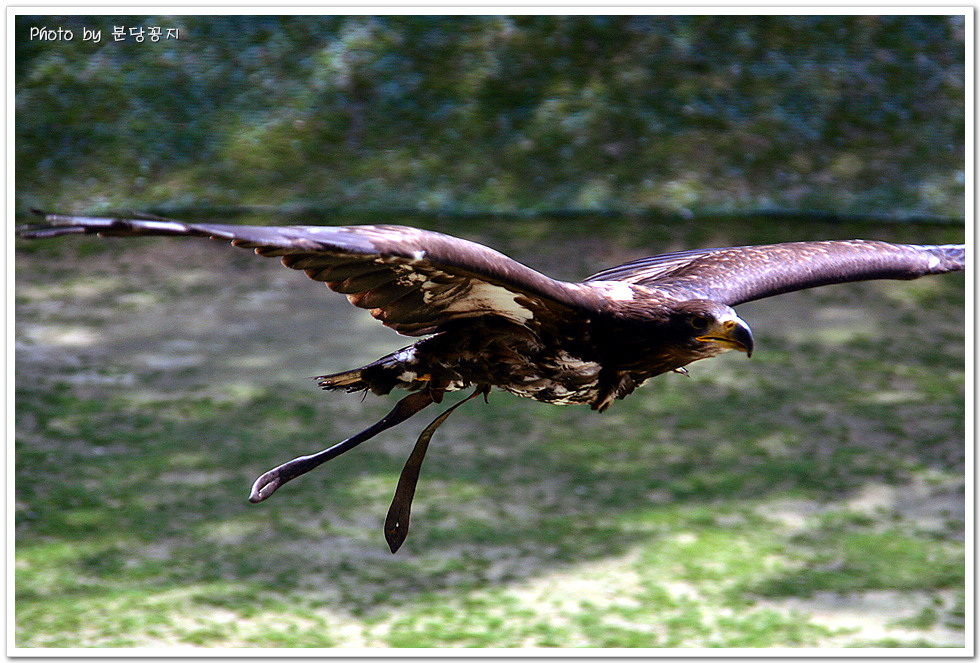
pixel 735 275
pixel 414 281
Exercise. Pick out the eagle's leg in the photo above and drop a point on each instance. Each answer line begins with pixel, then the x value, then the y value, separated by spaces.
pixel 400 511
pixel 269 482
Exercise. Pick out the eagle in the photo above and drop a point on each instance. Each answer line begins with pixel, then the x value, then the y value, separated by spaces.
pixel 485 320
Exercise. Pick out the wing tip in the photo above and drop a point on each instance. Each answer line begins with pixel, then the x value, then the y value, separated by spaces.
pixel 952 257
pixel 51 225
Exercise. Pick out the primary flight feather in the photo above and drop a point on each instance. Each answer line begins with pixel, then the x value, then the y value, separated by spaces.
pixel 488 321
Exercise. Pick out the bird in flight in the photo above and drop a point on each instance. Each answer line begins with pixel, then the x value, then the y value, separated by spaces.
pixel 488 321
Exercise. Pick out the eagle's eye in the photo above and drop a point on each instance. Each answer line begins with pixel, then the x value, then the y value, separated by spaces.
pixel 699 322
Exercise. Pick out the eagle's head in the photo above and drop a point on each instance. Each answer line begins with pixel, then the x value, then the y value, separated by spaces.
pixel 709 328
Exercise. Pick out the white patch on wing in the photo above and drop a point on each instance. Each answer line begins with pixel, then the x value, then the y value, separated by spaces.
pixel 418 256
pixel 485 298
pixel 617 290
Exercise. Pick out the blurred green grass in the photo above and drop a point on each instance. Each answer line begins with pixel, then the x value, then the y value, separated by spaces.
pixel 811 496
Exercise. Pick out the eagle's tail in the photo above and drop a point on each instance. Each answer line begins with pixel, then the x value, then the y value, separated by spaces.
pixel 349 381
pixel 395 370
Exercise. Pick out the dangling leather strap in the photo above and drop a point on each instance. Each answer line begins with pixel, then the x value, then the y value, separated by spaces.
pixel 269 482
pixel 400 511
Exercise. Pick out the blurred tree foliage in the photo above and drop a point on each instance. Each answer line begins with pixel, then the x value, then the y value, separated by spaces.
pixel 622 113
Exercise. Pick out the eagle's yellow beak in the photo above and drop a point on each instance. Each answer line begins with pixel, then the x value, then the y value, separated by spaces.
pixel 730 333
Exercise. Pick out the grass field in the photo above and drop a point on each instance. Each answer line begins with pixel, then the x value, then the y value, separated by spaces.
pixel 812 496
